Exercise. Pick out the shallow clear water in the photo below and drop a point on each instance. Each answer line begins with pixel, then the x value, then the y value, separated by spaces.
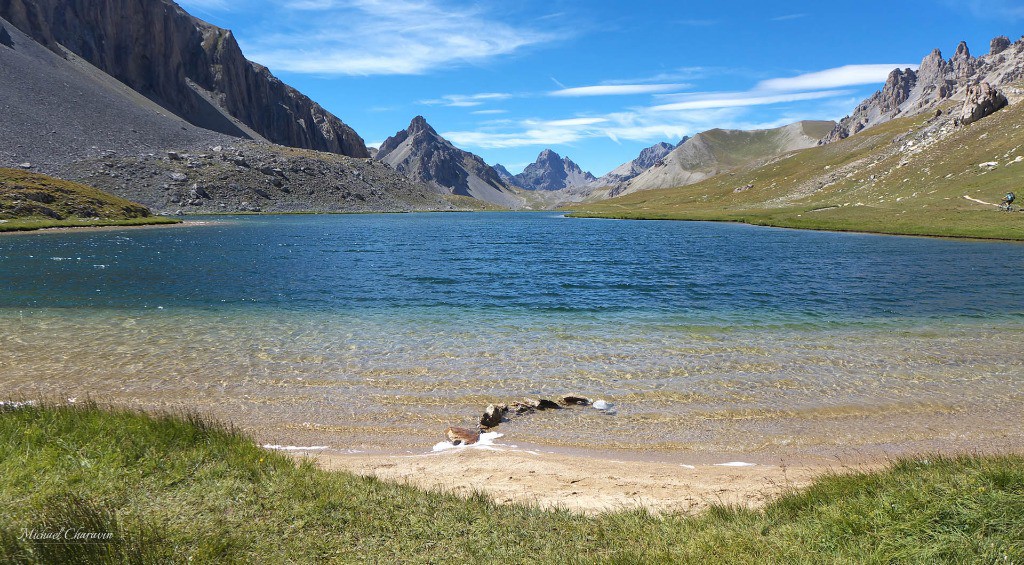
pixel 377 331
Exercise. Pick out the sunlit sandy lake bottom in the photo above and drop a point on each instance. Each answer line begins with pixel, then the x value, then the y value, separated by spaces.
pixel 368 383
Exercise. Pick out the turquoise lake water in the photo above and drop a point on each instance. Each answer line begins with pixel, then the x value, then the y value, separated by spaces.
pixel 369 332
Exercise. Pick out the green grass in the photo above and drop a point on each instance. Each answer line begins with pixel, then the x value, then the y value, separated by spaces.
pixel 32 201
pixel 179 488
pixel 856 185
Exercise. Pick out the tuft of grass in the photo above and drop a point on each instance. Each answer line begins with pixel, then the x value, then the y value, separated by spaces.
pixel 32 201
pixel 861 184
pixel 175 488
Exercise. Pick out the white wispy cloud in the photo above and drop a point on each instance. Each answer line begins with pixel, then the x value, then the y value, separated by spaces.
pixel 377 37
pixel 788 17
pixel 989 9
pixel 488 112
pixel 848 75
pixel 743 99
pixel 467 100
pixel 617 89
pixel 679 114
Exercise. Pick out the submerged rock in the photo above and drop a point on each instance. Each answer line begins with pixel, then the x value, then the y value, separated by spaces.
pixel 541 403
pixel 574 400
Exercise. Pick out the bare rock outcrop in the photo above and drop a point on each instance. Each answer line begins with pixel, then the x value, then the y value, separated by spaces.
pixel 981 101
pixel 5 38
pixel 999 44
pixel 193 69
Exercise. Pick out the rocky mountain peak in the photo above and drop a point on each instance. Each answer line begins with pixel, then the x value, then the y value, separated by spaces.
pixel 548 157
pixel 421 154
pixel 962 51
pixel 419 124
pixel 552 172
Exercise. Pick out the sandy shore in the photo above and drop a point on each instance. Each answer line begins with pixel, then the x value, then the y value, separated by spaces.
pixel 584 484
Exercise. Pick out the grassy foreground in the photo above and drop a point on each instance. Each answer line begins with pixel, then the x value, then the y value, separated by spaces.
pixel 174 489
pixel 32 201
pixel 884 179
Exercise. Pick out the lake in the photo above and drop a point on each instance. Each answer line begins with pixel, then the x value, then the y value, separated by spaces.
pixel 375 332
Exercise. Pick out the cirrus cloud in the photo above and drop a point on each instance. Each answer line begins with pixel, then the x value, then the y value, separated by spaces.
pixel 395 37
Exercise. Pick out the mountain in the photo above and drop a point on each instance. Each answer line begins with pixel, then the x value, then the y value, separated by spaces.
pixel 937 80
pixel 648 158
pixel 939 168
pixel 421 154
pixel 552 172
pixel 717 151
pixel 65 117
pixel 192 69
pixel 507 177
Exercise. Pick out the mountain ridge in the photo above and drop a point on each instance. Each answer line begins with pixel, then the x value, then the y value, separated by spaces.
pixel 718 150
pixel 908 92
pixel 423 155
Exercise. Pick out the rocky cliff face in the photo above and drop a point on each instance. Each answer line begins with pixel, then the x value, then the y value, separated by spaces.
pixel 191 68
pixel 552 172
pixel 421 154
pixel 937 81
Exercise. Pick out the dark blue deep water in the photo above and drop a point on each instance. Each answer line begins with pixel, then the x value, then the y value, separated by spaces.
pixel 515 263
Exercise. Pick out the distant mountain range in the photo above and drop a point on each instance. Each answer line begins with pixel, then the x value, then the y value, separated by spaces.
pixel 930 153
pixel 150 103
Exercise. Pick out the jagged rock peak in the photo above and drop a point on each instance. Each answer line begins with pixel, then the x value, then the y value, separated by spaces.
pixel 552 172
pixel 962 51
pixel 419 124
pixel 937 80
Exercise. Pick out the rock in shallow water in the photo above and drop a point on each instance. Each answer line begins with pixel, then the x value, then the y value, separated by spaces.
pixel 493 415
pixel 459 436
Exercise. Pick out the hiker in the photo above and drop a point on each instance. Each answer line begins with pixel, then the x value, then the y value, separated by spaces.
pixel 1007 200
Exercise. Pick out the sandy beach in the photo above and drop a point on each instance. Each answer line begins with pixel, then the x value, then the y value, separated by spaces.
pixel 585 484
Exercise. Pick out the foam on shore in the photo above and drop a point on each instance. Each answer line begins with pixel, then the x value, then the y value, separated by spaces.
pixel 486 442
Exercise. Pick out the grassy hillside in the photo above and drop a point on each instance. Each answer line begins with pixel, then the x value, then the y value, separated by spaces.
pixel 908 176
pixel 174 489
pixel 34 201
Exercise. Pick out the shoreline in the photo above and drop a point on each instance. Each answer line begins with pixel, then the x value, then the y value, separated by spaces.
pixel 102 227
pixel 569 214
pixel 588 485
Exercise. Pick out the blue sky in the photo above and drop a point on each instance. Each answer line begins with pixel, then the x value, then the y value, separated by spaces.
pixel 596 80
